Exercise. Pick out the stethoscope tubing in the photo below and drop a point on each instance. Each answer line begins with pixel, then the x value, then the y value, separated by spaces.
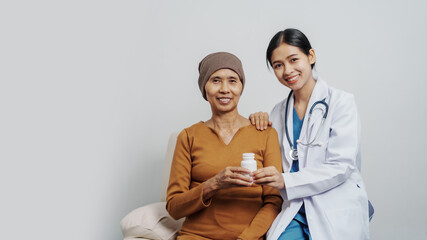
pixel 286 120
pixel 293 153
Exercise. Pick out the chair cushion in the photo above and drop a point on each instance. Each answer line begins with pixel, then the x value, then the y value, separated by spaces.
pixel 151 222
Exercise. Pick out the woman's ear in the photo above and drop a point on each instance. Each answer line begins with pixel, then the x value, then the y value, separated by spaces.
pixel 311 56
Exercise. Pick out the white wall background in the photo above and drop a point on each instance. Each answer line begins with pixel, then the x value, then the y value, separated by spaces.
pixel 91 90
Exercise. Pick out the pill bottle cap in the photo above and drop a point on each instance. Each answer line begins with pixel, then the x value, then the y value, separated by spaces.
pixel 248 156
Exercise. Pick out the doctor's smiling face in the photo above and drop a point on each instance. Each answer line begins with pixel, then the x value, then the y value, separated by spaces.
pixel 292 67
pixel 223 90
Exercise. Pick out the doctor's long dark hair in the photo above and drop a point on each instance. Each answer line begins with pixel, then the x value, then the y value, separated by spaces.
pixel 291 36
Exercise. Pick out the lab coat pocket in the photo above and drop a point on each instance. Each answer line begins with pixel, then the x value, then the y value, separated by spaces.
pixel 316 154
pixel 347 223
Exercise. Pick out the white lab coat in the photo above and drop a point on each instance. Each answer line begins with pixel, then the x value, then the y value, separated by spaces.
pixel 329 181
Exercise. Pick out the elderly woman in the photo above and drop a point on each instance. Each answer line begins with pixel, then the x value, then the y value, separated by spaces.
pixel 207 186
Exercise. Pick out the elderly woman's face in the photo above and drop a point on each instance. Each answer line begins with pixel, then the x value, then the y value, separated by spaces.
pixel 223 90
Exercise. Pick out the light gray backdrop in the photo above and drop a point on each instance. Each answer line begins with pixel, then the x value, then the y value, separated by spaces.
pixel 91 90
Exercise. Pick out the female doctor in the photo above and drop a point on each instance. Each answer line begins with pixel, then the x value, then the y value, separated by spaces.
pixel 319 133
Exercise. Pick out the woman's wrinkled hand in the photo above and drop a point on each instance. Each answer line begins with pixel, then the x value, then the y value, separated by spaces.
pixel 269 176
pixel 227 178
pixel 260 120
pixel 233 177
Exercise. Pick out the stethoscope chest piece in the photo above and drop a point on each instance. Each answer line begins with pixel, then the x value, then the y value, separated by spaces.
pixel 293 154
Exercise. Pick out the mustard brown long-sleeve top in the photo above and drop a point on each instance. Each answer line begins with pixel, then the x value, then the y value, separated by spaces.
pixel 238 212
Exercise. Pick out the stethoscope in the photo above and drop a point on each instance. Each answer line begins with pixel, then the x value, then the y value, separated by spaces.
pixel 293 153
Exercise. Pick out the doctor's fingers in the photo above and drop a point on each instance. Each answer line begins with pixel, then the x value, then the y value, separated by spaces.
pixel 260 120
pixel 263 172
pixel 264 118
pixel 271 182
pixel 252 118
pixel 275 181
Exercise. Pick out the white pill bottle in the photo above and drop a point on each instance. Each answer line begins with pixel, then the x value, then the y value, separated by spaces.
pixel 249 161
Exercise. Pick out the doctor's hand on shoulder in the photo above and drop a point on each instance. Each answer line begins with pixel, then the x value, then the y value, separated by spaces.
pixel 269 176
pixel 260 120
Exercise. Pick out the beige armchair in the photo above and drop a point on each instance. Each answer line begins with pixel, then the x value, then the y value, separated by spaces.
pixel 152 221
